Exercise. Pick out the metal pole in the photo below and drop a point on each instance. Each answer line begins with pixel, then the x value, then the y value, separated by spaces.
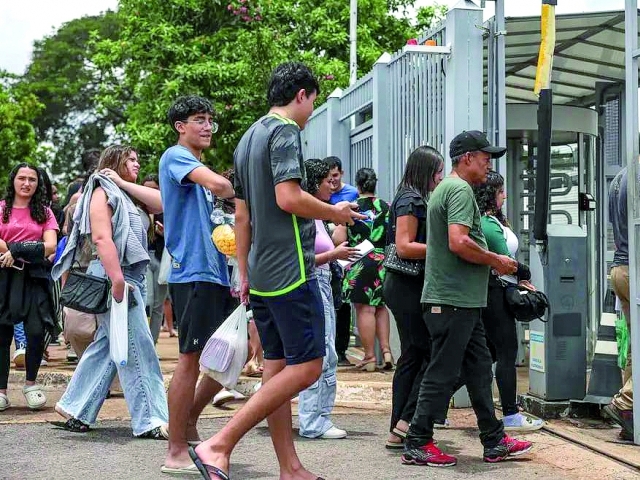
pixel 353 41
pixel 631 127
pixel 500 81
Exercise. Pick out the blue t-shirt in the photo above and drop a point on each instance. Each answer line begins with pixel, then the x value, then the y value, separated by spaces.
pixel 187 222
pixel 348 193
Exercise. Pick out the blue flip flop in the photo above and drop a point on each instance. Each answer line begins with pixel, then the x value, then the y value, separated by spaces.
pixel 206 470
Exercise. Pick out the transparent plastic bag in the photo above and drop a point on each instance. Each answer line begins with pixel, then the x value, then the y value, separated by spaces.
pixel 119 329
pixel 226 351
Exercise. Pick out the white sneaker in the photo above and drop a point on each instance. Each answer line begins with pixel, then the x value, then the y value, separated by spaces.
pixel 334 433
pixel 18 357
pixel 522 422
pixel 257 386
pixel 226 396
pixel 44 363
pixel 4 402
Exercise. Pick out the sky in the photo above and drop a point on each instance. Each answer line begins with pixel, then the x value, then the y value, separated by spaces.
pixel 23 23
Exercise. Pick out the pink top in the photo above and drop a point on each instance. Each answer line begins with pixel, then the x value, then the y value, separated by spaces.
pixel 22 227
pixel 323 241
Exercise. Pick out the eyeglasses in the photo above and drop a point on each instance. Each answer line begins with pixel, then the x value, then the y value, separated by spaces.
pixel 202 122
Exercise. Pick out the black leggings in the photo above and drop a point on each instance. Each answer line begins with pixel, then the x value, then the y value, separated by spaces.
pixel 502 340
pixel 34 332
pixel 402 295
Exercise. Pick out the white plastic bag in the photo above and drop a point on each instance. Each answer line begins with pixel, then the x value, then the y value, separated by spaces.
pixel 119 329
pixel 226 351
pixel 165 266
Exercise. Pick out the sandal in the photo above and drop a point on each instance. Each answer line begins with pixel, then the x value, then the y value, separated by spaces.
pixel 4 402
pixel 399 433
pixel 206 470
pixel 388 360
pixel 35 397
pixel 367 365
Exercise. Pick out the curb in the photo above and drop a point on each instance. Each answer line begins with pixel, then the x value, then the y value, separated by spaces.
pixel 349 392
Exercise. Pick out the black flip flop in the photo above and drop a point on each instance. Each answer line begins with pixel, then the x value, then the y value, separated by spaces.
pixel 206 470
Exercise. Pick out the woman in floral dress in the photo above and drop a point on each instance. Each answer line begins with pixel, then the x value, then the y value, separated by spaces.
pixel 363 280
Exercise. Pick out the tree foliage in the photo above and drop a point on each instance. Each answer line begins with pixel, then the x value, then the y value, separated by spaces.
pixel 225 50
pixel 64 78
pixel 18 108
pixel 111 77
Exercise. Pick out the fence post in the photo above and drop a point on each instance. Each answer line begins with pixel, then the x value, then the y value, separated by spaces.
pixel 464 84
pixel 338 142
pixel 381 126
pixel 463 91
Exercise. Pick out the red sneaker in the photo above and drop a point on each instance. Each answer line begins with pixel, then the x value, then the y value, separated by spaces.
pixel 429 455
pixel 507 447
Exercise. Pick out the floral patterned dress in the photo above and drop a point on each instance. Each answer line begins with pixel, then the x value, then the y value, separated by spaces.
pixel 363 280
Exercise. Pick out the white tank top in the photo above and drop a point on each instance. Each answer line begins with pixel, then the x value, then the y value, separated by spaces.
pixel 512 246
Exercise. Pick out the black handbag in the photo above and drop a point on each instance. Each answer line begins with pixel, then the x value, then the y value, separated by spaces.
pixel 526 305
pixel 84 292
pixel 396 264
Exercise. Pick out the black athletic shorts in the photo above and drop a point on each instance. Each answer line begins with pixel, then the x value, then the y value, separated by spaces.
pixel 199 308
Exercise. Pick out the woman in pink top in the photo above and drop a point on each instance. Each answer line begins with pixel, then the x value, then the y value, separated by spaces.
pixel 316 402
pixel 28 235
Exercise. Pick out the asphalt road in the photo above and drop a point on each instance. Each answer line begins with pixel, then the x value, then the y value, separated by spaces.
pixel 37 451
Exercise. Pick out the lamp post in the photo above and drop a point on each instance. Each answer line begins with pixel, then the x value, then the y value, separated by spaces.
pixel 353 40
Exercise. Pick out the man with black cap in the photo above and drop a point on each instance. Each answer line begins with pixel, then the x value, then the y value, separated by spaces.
pixel 455 291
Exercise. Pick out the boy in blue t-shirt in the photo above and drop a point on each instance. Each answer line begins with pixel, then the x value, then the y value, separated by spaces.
pixel 198 279
pixel 340 192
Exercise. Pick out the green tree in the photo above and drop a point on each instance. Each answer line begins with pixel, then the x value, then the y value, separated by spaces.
pixel 428 16
pixel 65 80
pixel 17 135
pixel 225 50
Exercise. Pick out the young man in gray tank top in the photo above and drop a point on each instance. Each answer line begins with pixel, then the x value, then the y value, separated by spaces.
pixel 275 235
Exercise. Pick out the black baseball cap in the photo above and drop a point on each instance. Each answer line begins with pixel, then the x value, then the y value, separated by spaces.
pixel 473 141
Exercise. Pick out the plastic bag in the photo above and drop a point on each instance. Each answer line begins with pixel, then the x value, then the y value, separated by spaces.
pixel 226 351
pixel 223 235
pixel 622 339
pixel 119 329
pixel 165 266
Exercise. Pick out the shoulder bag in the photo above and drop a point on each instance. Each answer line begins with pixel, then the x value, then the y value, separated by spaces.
pixel 84 292
pixel 394 263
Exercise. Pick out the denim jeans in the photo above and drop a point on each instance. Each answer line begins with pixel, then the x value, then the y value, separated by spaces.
pixel 316 402
pixel 156 294
pixel 141 377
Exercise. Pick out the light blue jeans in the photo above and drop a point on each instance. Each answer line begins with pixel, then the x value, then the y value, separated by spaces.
pixel 316 402
pixel 141 378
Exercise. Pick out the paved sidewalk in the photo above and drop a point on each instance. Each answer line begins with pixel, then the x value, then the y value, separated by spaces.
pixel 358 393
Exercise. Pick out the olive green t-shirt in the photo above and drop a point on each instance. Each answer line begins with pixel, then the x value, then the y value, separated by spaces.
pixel 448 279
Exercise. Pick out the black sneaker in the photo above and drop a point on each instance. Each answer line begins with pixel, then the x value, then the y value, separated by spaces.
pixel 72 425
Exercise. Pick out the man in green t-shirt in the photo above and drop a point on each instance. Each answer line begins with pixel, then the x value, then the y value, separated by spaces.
pixel 455 290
